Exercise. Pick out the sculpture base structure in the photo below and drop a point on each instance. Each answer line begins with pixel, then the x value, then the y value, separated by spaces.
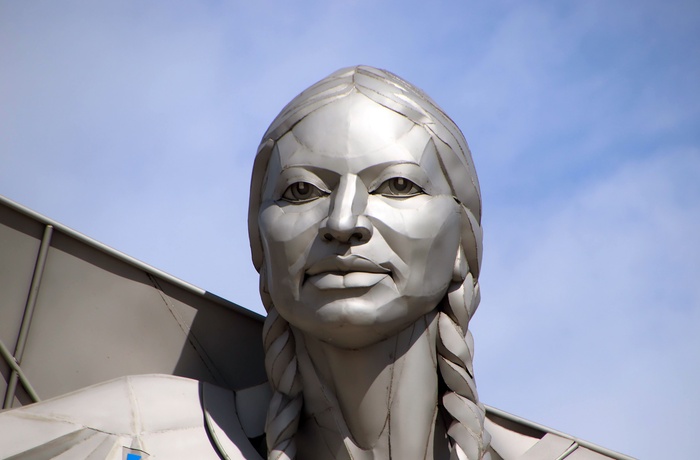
pixel 137 417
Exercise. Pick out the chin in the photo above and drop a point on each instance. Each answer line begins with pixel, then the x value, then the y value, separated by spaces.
pixel 355 323
pixel 353 337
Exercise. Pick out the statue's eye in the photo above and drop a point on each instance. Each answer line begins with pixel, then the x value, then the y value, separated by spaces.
pixel 301 192
pixel 399 187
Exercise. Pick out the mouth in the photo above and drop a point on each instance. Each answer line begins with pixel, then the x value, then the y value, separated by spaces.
pixel 345 272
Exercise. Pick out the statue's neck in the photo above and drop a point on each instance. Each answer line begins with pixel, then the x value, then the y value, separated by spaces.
pixel 381 400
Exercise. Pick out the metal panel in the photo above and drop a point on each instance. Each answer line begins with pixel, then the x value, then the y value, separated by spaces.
pixel 233 342
pixel 100 314
pixel 509 439
pixel 94 309
pixel 550 446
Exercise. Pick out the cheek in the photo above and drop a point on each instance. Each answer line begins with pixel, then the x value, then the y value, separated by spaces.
pixel 425 236
pixel 442 251
pixel 287 235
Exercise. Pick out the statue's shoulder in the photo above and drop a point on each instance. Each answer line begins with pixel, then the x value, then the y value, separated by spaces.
pixel 144 416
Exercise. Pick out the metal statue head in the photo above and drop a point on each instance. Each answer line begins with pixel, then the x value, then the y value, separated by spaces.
pixel 363 193
pixel 364 219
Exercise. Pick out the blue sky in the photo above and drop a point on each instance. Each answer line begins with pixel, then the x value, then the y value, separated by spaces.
pixel 136 123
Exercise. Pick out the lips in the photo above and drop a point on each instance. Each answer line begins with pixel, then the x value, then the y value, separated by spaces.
pixel 341 272
pixel 345 264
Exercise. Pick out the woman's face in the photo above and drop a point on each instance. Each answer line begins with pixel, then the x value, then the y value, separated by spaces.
pixel 359 228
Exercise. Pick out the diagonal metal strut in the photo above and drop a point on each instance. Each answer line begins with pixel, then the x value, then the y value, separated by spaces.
pixel 14 361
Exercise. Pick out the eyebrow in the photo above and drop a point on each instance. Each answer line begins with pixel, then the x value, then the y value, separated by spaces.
pixel 321 171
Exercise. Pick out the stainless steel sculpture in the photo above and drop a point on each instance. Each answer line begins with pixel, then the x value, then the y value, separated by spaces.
pixel 364 224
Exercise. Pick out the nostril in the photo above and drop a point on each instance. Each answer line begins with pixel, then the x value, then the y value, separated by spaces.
pixel 357 236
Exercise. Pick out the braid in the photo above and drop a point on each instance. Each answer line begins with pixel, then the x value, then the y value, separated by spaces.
pixel 281 366
pixel 455 347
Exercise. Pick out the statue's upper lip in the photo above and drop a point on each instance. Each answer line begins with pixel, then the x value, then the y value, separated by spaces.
pixel 345 264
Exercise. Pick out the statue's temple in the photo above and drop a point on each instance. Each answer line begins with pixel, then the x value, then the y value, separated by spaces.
pixel 76 313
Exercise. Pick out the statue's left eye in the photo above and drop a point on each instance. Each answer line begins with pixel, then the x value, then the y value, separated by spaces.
pixel 301 192
pixel 399 187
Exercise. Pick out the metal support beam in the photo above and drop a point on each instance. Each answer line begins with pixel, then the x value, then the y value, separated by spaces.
pixel 17 371
pixel 26 322
pixel 568 451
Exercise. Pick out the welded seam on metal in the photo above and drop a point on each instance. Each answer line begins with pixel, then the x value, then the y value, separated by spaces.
pixel 537 426
pixel 15 368
pixel 129 260
pixel 199 349
pixel 28 313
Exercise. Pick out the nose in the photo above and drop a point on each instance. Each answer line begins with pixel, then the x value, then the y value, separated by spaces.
pixel 346 221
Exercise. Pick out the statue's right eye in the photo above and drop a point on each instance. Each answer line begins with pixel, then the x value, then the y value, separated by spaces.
pixel 301 192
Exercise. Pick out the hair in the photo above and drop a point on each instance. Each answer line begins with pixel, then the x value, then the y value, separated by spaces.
pixel 460 407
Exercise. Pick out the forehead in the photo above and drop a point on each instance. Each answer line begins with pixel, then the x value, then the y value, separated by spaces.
pixel 352 133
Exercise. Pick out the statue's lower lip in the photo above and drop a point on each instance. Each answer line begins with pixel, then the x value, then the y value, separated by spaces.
pixel 345 280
